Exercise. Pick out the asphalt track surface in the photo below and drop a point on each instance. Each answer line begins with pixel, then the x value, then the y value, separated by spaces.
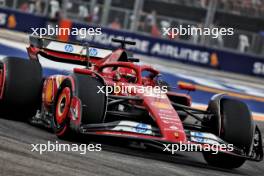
pixel 16 158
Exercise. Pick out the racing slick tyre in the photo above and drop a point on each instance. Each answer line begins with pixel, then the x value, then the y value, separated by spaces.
pixel 20 87
pixel 93 105
pixel 93 101
pixel 236 129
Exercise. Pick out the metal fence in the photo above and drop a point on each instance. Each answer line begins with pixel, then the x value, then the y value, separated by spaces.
pixel 101 12
pixel 241 7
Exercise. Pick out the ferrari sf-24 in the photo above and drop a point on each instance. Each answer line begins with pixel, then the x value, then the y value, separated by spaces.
pixel 79 102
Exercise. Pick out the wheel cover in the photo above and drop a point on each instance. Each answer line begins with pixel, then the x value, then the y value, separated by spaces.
pixel 63 105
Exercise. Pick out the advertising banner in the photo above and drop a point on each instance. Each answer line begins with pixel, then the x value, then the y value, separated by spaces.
pixel 161 48
pixel 15 20
pixel 177 51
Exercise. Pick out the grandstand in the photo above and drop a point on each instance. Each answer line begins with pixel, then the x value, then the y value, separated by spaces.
pixel 149 16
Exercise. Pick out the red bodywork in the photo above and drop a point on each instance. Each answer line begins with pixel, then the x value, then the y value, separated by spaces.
pixel 154 116
pixel 159 106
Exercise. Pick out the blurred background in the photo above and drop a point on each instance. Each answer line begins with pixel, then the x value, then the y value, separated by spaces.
pixel 149 16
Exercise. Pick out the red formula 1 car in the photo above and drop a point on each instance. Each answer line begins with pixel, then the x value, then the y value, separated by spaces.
pixel 109 94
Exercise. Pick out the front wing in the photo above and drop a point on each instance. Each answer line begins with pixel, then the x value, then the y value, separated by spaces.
pixel 150 135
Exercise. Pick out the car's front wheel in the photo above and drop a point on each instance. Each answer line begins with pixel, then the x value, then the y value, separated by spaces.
pixel 237 129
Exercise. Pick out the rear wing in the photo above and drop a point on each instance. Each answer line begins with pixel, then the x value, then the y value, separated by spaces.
pixel 64 51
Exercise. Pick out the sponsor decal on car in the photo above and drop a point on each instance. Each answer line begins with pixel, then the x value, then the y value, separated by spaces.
pixel 167 115
pixel 141 128
pixel 170 118
pixel 206 138
pixel 166 111
pixel 172 128
pixel 161 105
pixel 155 95
pixel 68 48
pixel 199 137
pixel 93 52
pixel 134 127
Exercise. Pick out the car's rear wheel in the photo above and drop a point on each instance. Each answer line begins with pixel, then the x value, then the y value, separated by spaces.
pixel 21 85
pixel 237 129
